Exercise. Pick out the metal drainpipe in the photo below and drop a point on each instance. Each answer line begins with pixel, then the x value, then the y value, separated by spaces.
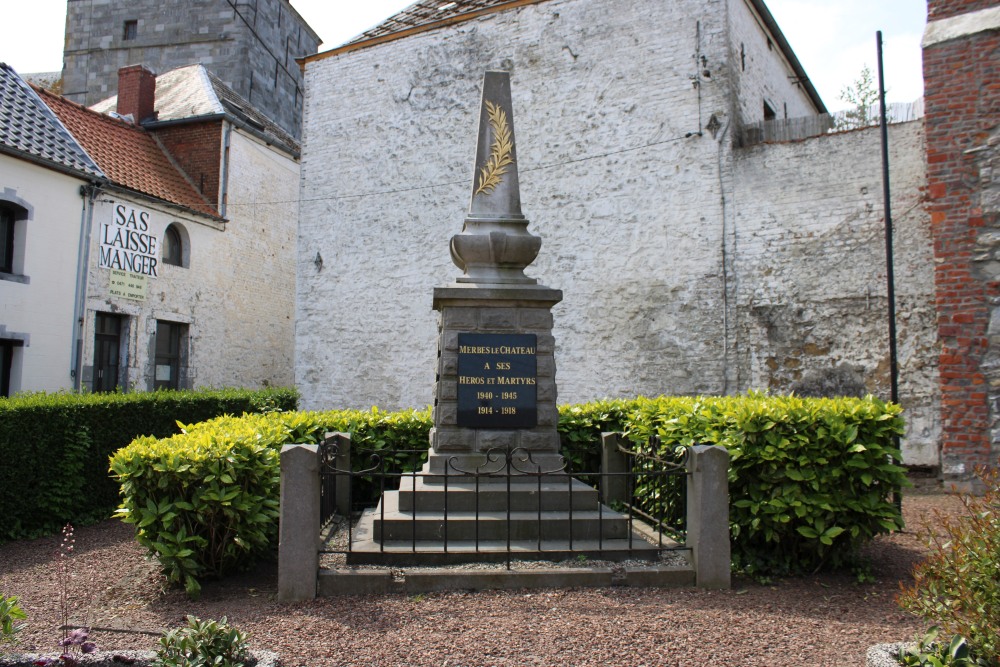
pixel 224 194
pixel 88 193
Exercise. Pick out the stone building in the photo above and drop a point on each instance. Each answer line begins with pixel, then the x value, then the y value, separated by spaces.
pixel 962 102
pixel 250 46
pixel 178 276
pixel 689 263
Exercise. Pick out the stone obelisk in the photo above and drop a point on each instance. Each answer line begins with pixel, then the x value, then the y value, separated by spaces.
pixel 496 387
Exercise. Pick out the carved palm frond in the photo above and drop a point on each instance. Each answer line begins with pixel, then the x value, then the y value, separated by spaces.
pixel 491 173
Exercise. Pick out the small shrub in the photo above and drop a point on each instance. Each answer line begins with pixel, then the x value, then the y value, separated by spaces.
pixel 204 504
pixel 957 586
pixel 10 616
pixel 202 644
pixel 929 651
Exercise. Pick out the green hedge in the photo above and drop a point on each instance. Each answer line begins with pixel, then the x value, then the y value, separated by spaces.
pixel 54 448
pixel 205 501
pixel 810 479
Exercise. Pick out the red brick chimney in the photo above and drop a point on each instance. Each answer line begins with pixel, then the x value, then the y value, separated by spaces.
pixel 136 93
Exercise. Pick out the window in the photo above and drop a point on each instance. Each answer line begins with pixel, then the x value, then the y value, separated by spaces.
pixel 769 112
pixel 170 338
pixel 172 248
pixel 14 214
pixel 6 240
pixel 175 245
pixel 130 30
pixel 7 364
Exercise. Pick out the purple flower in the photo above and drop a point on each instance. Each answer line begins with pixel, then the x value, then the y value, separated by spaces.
pixel 75 637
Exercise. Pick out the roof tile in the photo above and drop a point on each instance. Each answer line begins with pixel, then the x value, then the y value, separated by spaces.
pixel 128 155
pixel 425 12
pixel 28 126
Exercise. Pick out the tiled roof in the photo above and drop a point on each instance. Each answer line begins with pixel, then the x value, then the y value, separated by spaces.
pixel 192 91
pixel 30 128
pixel 128 155
pixel 425 12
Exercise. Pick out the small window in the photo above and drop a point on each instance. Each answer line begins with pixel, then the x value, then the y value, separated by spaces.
pixel 769 112
pixel 173 246
pixel 6 240
pixel 130 31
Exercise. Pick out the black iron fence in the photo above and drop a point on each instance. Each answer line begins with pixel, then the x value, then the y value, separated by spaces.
pixel 505 504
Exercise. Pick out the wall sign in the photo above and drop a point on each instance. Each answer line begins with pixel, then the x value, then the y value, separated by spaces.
pixel 126 244
pixel 497 381
pixel 127 285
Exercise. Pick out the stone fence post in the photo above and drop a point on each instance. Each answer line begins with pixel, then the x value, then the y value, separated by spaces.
pixel 614 482
pixel 342 461
pixel 708 515
pixel 298 528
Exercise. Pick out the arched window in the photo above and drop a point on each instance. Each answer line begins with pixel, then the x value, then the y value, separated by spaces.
pixel 173 245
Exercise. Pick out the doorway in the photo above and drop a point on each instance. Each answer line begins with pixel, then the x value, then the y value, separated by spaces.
pixel 107 352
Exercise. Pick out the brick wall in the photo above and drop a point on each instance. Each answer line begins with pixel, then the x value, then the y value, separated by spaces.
pixel 197 148
pixel 943 9
pixel 962 103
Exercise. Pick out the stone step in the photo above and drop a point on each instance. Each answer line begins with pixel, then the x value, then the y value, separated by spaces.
pixel 432 493
pixel 366 550
pixel 390 523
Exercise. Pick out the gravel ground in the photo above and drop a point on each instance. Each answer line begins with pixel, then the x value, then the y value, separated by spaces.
pixel 815 620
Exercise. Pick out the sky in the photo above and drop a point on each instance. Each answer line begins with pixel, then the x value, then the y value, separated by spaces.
pixel 833 39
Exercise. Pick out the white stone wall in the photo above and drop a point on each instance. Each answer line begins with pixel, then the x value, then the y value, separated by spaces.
pixel 257 342
pixel 236 292
pixel 602 107
pixel 760 71
pixel 809 261
pixel 36 303
pixel 660 238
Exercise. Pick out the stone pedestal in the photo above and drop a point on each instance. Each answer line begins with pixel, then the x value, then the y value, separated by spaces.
pixel 515 309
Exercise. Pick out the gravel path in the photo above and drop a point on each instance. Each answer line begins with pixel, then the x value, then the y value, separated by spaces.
pixel 816 620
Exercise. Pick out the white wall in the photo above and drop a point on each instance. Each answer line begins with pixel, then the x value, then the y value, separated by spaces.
pixel 809 257
pixel 760 71
pixel 40 305
pixel 631 237
pixel 686 268
pixel 235 294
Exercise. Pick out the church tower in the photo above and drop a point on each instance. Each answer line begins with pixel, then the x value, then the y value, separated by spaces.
pixel 250 44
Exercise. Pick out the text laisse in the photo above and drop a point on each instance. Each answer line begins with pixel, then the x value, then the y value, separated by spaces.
pixel 497 381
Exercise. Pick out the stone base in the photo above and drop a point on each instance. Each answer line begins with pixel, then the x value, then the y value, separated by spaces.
pixel 462 464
